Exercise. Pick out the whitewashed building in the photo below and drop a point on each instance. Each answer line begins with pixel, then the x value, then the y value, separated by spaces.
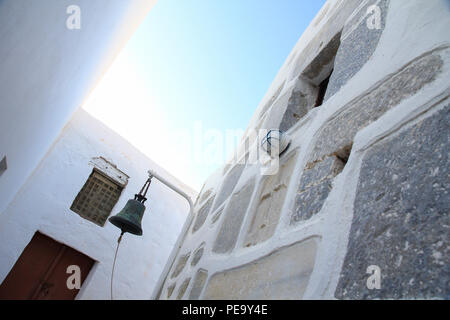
pixel 45 204
pixel 359 208
pixel 50 150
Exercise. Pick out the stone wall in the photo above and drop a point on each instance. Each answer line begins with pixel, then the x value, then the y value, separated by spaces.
pixel 364 183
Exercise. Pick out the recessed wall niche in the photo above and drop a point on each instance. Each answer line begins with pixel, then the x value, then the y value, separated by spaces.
pixel 311 86
pixel 271 198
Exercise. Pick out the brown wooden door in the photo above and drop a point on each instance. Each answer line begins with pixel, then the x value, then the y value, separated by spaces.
pixel 40 273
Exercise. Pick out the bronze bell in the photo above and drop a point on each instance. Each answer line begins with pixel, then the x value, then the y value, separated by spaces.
pixel 130 217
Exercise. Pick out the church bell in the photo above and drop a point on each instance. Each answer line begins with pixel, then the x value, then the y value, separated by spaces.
pixel 130 217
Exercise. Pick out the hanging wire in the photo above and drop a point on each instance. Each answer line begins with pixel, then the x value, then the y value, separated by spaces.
pixel 114 263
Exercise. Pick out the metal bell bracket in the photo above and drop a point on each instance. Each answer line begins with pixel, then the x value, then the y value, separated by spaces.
pixel 141 195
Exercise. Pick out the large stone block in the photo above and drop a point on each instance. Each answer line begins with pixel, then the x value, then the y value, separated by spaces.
pixel 283 274
pixel 228 184
pixel 180 264
pixel 199 283
pixel 337 17
pixel 340 131
pixel 310 201
pixel 323 61
pixel 315 185
pixel 401 217
pixel 170 290
pixel 234 216
pixel 202 214
pixel 183 288
pixel 216 216
pixel 301 101
pixel 198 253
pixel 317 172
pixel 278 108
pixel 345 52
pixel 267 214
pixel 205 195
pixel 358 43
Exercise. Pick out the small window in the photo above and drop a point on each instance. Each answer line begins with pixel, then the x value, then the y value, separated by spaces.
pixel 97 198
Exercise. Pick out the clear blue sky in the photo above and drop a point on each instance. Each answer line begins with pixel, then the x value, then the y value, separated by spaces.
pixel 197 60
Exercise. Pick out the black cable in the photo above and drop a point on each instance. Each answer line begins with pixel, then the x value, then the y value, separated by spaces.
pixel 114 263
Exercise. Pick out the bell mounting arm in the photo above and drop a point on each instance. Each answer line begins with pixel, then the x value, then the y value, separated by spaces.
pixel 177 245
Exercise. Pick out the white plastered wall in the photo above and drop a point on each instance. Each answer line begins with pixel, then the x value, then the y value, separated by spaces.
pixel 47 71
pixel 43 203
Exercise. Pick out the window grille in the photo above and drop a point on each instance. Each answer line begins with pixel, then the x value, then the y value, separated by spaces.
pixel 97 198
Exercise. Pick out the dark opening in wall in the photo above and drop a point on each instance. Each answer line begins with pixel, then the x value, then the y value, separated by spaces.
pixel 322 90
pixel 3 165
pixel 344 153
pixel 319 71
pixel 310 89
